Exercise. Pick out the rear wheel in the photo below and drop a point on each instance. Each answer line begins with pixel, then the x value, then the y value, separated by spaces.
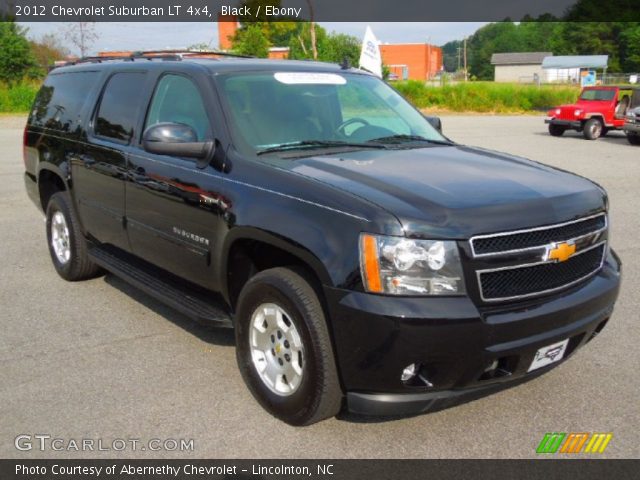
pixel 284 350
pixel 592 129
pixel 67 245
pixel 556 130
pixel 633 138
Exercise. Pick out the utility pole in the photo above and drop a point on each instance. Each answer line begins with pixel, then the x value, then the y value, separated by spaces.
pixel 465 59
pixel 459 49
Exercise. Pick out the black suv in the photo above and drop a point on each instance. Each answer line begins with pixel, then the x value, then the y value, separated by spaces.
pixel 364 259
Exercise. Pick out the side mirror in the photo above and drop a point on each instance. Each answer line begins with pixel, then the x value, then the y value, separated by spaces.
pixel 435 122
pixel 175 139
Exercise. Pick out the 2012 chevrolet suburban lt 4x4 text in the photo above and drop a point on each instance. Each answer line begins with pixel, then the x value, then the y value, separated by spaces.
pixel 364 260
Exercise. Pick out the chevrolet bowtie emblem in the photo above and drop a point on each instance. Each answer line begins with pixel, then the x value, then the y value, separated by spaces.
pixel 559 252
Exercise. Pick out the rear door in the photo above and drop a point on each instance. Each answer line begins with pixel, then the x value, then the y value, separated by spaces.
pixel 172 209
pixel 99 171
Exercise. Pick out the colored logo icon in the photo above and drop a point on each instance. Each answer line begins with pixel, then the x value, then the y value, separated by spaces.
pixel 574 443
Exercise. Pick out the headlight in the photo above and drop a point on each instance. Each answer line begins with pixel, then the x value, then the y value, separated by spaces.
pixel 577 113
pixel 558 111
pixel 401 266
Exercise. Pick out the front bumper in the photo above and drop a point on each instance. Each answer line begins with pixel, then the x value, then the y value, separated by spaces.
pixel 376 337
pixel 632 128
pixel 574 124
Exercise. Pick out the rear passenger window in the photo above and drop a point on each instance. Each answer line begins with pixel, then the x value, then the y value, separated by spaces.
pixel 60 100
pixel 177 100
pixel 119 106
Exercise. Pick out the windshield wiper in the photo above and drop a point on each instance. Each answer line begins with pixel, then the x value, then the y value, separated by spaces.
pixel 304 144
pixel 408 138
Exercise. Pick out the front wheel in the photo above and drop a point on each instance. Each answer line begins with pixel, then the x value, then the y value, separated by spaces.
pixel 284 350
pixel 556 130
pixel 592 129
pixel 633 138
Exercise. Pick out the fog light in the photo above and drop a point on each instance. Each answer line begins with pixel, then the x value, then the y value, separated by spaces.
pixel 409 372
pixel 492 367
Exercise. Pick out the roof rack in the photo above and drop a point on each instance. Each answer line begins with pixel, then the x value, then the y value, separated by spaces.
pixel 175 55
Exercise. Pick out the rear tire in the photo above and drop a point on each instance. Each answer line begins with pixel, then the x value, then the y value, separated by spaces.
pixel 281 332
pixel 633 138
pixel 592 129
pixel 556 130
pixel 67 245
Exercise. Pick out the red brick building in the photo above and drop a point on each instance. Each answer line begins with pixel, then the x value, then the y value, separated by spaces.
pixel 415 61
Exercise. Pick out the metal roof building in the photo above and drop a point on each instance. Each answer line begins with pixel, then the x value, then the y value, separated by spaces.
pixel 576 61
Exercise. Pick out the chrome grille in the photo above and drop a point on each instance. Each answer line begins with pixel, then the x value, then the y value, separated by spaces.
pixel 516 265
pixel 501 243
pixel 540 278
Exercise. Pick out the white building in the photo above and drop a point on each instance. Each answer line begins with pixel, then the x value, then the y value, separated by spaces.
pixel 521 67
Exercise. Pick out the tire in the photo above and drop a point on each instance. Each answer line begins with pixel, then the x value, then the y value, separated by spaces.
pixel 556 130
pixel 67 245
pixel 303 399
pixel 592 129
pixel 633 138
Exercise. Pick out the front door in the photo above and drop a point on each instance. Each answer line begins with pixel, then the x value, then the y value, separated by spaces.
pixel 171 211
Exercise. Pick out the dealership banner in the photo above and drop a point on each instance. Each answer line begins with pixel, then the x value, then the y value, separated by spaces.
pixel 317 10
pixel 320 469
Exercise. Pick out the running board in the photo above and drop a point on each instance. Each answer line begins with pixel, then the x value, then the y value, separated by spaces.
pixel 164 287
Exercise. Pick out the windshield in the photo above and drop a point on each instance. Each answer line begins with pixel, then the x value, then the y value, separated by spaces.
pixel 301 109
pixel 598 94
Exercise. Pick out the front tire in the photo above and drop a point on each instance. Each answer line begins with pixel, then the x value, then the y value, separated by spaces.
pixel 284 350
pixel 592 129
pixel 67 245
pixel 556 130
pixel 633 138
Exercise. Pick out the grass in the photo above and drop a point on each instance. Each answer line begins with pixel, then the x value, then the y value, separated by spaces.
pixel 486 97
pixel 17 98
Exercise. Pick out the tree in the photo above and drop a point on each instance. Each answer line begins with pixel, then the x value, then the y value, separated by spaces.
pixel 337 47
pixel 16 58
pixel 82 35
pixel 48 49
pixel 251 41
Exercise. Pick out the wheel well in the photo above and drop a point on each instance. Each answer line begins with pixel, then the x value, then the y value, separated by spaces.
pixel 248 257
pixel 48 184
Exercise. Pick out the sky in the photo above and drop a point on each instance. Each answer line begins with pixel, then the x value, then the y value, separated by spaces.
pixel 164 35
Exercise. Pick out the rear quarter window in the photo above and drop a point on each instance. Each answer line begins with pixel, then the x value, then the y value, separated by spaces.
pixel 59 102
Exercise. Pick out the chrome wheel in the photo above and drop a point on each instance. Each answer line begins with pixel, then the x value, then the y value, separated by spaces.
pixel 276 347
pixel 596 129
pixel 60 237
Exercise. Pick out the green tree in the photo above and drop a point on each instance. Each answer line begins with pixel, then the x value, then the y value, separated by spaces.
pixel 16 58
pixel 336 47
pixel 630 49
pixel 251 41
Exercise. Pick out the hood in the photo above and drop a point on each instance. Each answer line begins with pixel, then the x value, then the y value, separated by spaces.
pixel 456 191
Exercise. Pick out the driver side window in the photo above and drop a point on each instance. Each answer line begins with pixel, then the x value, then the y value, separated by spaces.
pixel 358 104
pixel 177 100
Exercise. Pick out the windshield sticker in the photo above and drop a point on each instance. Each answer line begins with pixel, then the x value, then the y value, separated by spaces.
pixel 300 78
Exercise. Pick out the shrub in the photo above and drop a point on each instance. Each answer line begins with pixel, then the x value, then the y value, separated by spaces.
pixel 486 97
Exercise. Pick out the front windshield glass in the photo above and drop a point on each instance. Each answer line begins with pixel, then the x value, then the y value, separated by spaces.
pixel 598 94
pixel 286 108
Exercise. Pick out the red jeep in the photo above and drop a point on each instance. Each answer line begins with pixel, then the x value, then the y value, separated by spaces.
pixel 598 110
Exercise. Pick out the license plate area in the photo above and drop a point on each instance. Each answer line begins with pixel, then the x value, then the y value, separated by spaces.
pixel 550 354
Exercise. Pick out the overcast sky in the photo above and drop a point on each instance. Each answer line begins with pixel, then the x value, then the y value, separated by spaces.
pixel 155 35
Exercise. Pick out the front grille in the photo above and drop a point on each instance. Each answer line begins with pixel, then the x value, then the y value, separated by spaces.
pixel 537 237
pixel 536 279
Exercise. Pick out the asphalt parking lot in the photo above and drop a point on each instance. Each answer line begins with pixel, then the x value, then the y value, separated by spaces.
pixel 101 360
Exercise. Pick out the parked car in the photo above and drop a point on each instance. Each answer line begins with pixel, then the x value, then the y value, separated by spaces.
pixel 597 111
pixel 632 124
pixel 365 260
